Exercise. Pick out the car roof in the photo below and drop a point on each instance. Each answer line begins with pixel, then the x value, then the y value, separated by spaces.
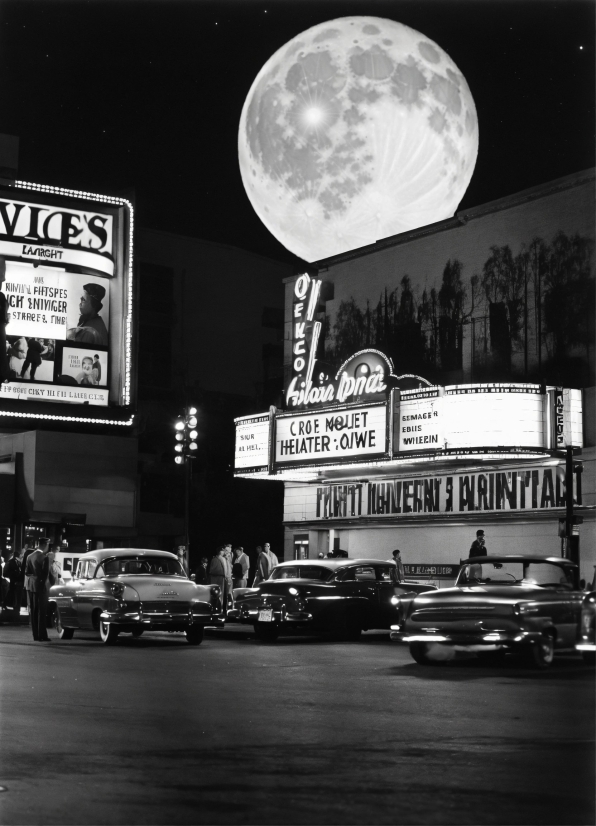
pixel 556 560
pixel 333 564
pixel 109 553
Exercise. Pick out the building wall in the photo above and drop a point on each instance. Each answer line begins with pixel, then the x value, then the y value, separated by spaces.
pixel 399 295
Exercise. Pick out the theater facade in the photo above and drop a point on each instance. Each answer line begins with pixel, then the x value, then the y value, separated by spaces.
pixel 440 382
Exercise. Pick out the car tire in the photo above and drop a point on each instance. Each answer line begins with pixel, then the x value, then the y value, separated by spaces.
pixel 541 653
pixel 266 631
pixel 137 632
pixel 589 657
pixel 194 634
pixel 108 633
pixel 62 632
pixel 419 652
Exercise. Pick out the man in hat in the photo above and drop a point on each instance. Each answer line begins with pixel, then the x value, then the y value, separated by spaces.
pixel 478 547
pixel 90 328
pixel 37 573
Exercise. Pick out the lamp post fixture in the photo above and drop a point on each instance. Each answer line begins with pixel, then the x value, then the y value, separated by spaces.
pixel 185 447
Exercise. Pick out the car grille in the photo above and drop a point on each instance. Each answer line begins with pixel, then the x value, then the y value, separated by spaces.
pixel 165 607
pixel 468 612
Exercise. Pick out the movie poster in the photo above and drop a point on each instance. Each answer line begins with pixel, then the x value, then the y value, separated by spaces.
pixel 58 335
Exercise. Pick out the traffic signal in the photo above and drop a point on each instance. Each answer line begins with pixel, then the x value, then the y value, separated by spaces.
pixel 186 436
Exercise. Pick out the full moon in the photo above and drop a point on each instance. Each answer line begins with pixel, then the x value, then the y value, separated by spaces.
pixel 357 129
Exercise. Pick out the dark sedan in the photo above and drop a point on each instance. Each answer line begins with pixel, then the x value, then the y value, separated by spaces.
pixel 341 596
pixel 528 604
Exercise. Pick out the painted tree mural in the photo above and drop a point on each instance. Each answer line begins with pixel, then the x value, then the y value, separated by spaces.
pixel 527 316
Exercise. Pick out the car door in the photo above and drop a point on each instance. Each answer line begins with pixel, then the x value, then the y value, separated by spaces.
pixel 86 595
pixel 66 596
pixel 387 587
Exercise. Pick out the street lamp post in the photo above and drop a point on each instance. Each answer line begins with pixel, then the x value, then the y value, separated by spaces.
pixel 185 448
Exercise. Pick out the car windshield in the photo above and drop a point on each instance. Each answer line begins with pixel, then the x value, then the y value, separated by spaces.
pixel 140 565
pixel 302 572
pixel 545 574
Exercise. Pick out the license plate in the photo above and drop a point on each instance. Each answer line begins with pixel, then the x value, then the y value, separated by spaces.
pixel 266 616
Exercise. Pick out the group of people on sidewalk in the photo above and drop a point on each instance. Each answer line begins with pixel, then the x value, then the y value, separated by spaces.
pixel 33 569
pixel 230 569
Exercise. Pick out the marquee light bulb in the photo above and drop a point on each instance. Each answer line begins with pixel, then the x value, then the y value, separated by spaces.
pixel 192 421
pixel 179 425
pixel 178 448
pixel 178 460
pixel 192 411
pixel 193 434
pixel 193 446
pixel 179 437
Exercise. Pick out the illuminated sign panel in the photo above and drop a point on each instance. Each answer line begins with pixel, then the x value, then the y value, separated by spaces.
pixel 493 491
pixel 331 435
pixel 252 442
pixel 474 416
pixel 67 261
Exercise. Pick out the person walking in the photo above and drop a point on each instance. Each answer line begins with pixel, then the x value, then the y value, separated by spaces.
pixel 240 568
pixel 263 566
pixel 478 547
pixel 15 572
pixel 37 572
pixel 401 574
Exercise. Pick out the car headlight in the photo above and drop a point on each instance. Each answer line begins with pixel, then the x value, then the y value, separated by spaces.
pixel 123 592
pixel 116 589
pixel 293 591
pixel 394 601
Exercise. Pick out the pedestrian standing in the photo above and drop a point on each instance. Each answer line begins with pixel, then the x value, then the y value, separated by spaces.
pixel 217 572
pixel 55 577
pixel 202 572
pixel 37 572
pixel 15 572
pixel 274 560
pixel 181 554
pixel 401 574
pixel 240 568
pixel 263 566
pixel 28 551
pixel 478 547
pixel 229 594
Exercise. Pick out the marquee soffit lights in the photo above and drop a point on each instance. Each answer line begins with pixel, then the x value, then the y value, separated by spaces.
pixel 126 393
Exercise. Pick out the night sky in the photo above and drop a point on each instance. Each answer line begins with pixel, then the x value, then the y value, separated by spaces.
pixel 118 95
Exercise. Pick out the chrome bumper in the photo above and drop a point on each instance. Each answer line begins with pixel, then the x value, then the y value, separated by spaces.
pixel 138 618
pixel 247 615
pixel 483 641
pixel 585 646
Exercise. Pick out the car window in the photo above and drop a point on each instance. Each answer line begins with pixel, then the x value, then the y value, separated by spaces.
pixel 82 569
pixel 365 573
pixel 99 572
pixel 285 573
pixel 315 572
pixel 142 566
pixel 386 573
pixel 515 573
pixel 346 575
pixel 91 566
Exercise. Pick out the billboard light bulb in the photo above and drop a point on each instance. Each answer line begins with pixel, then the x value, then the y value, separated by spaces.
pixel 179 437
pixel 178 460
pixel 179 425
pixel 178 448
pixel 193 434
pixel 192 421
pixel 193 446
pixel 192 411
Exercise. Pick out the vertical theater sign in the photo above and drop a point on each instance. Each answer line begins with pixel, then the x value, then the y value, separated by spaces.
pixel 430 454
pixel 66 257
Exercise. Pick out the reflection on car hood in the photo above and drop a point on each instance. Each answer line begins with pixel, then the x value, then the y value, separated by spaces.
pixel 155 588
pixel 482 593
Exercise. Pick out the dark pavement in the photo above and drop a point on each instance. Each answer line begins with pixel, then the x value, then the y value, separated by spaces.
pixel 155 731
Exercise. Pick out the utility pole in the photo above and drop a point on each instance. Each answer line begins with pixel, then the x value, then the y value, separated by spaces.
pixel 185 447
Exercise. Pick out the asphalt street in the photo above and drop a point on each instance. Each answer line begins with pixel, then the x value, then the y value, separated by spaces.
pixel 302 731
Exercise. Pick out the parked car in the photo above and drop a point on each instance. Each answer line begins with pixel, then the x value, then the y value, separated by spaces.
pixel 499 604
pixel 128 591
pixel 587 625
pixel 345 596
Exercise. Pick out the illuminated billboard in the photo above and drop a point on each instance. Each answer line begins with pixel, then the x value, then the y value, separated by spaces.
pixel 66 266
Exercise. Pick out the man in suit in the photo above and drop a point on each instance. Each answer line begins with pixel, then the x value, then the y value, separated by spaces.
pixel 240 568
pixel 263 566
pixel 37 572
